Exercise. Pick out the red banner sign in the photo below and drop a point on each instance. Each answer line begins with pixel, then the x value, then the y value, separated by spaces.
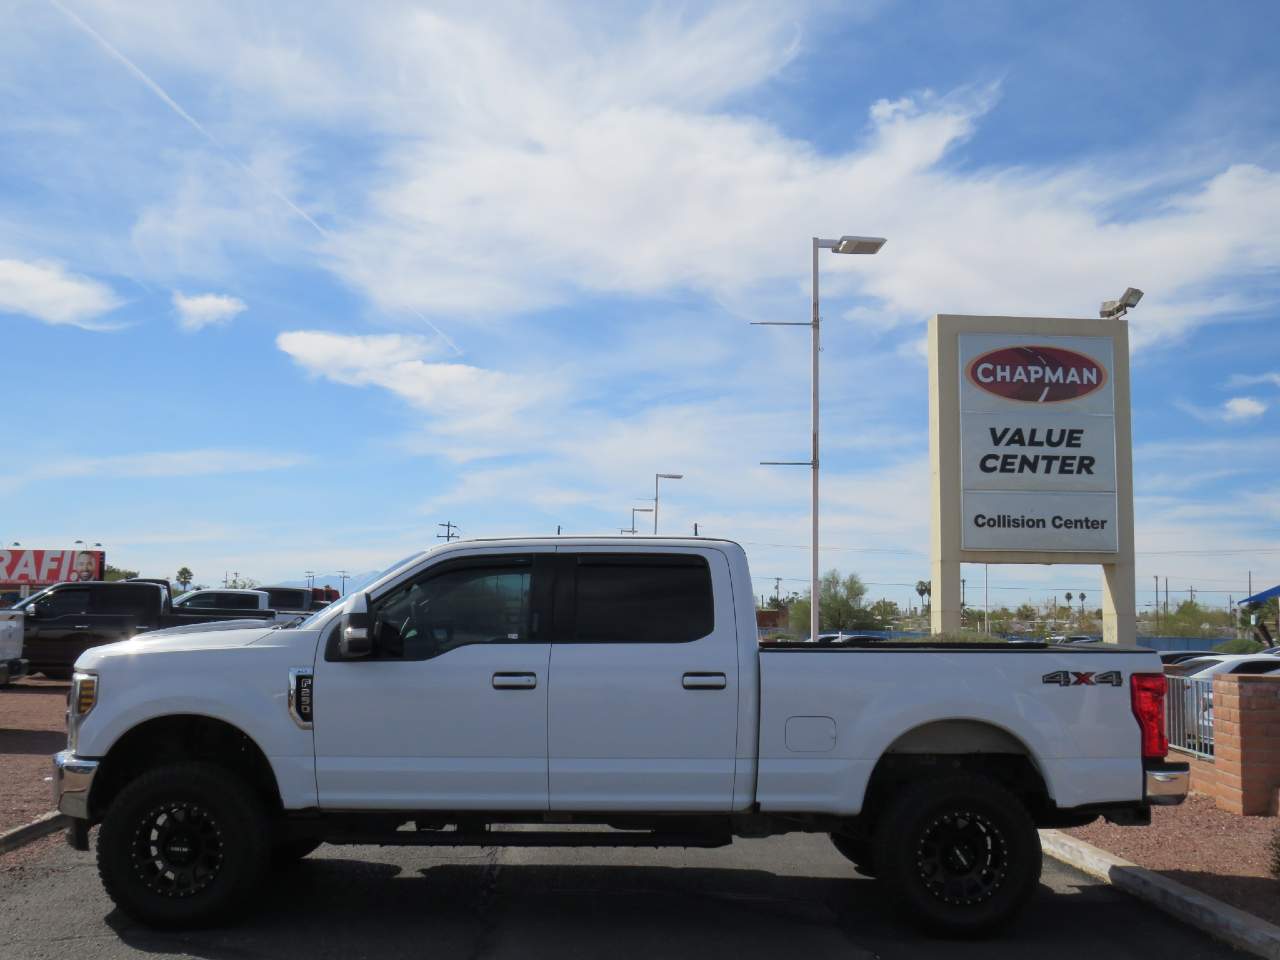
pixel 1037 374
pixel 42 567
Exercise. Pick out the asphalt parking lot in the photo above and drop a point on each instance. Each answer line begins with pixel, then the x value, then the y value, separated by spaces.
pixel 782 897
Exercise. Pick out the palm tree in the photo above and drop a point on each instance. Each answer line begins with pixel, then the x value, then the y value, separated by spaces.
pixel 184 577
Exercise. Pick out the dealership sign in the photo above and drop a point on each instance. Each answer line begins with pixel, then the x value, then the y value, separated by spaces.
pixel 1037 443
pixel 42 567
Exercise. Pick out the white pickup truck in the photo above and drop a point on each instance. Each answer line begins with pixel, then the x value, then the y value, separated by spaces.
pixel 614 683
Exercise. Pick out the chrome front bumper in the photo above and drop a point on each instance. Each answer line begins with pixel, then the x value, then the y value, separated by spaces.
pixel 72 779
pixel 1167 785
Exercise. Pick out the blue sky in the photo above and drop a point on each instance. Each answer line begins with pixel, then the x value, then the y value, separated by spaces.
pixel 284 286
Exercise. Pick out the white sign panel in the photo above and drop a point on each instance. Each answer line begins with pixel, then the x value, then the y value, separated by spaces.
pixel 1037 448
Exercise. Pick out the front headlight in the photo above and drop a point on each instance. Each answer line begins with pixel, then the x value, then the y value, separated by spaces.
pixel 82 699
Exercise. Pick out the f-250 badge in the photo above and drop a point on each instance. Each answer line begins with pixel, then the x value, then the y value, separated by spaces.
pixel 1072 678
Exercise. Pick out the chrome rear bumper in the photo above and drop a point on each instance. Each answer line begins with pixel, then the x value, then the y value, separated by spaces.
pixel 1167 785
pixel 72 779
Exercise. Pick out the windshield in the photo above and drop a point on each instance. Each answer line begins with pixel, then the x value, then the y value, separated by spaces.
pixel 28 601
pixel 323 613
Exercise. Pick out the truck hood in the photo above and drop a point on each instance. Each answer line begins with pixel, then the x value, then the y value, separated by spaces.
pixel 143 644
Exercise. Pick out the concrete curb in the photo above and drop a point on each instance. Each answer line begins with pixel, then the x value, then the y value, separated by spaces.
pixel 41 826
pixel 1221 920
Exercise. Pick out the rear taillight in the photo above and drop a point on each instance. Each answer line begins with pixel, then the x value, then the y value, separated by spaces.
pixel 1146 697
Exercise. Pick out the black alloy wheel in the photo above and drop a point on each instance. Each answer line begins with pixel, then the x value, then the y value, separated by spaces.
pixel 962 857
pixel 177 849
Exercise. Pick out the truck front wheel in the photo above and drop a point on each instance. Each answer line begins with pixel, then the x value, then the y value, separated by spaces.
pixel 960 853
pixel 183 846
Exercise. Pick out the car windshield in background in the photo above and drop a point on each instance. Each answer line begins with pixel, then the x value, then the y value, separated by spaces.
pixel 1255 666
pixel 1187 667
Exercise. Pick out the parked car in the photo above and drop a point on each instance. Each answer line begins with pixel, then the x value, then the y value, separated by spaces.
pixel 600 692
pixel 1195 721
pixel 1178 656
pixel 63 621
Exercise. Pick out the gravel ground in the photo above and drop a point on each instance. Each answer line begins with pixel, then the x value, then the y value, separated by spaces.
pixel 1197 844
pixel 32 729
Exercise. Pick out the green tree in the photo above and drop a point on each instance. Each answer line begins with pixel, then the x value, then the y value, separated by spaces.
pixel 118 573
pixel 184 576
pixel 884 611
pixel 840 606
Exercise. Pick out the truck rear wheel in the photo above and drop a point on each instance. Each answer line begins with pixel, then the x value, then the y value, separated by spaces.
pixel 183 846
pixel 960 853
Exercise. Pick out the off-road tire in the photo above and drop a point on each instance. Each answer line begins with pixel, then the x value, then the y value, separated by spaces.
pixel 960 854
pixel 184 845
pixel 857 850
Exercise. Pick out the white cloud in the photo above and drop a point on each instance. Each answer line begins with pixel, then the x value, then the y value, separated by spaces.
pixel 1230 411
pixel 48 291
pixel 1243 408
pixel 1254 379
pixel 202 310
pixel 480 412
pixel 175 463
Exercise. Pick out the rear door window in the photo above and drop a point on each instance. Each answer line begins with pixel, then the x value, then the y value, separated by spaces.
pixel 126 600
pixel 642 599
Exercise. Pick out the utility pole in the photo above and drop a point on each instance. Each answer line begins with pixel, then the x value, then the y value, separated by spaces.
pixel 1192 591
pixel 986 599
pixel 962 603
pixel 695 528
pixel 1166 599
pixel 1156 608
pixel 344 575
pixel 311 578
pixel 448 535
pixel 777 588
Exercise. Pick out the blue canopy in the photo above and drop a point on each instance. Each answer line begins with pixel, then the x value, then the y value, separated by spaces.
pixel 1264 596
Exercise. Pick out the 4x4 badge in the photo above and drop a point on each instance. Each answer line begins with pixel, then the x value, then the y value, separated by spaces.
pixel 1073 678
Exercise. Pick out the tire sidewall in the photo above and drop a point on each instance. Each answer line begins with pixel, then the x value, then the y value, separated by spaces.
pixel 238 817
pixel 902 830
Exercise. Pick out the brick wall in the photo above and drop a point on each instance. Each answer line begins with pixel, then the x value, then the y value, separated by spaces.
pixel 1244 775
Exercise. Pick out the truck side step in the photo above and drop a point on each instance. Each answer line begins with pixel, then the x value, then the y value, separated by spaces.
pixel 531 838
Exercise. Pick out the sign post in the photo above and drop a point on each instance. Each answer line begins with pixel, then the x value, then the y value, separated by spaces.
pixel 1031 453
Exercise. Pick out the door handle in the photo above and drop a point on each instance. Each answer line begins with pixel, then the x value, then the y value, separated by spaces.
pixel 81 626
pixel 705 681
pixel 515 681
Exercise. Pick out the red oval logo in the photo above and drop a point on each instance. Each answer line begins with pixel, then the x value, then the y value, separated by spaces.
pixel 1037 374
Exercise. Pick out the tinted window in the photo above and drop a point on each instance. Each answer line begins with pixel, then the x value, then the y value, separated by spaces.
pixel 1256 666
pixel 453 608
pixel 128 600
pixel 237 601
pixel 643 600
pixel 64 603
pixel 290 599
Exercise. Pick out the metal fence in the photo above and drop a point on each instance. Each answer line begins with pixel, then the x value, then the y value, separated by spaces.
pixel 1189 706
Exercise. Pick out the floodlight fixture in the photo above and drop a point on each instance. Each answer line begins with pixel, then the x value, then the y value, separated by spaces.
pixel 867 245
pixel 1113 309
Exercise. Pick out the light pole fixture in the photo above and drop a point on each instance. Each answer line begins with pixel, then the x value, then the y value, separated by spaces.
pixel 634 511
pixel 1114 309
pixel 656 478
pixel 846 244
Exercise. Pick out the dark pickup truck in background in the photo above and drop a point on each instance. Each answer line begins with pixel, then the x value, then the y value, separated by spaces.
pixel 63 621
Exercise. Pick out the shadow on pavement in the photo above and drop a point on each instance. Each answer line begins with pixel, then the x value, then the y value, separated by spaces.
pixel 350 908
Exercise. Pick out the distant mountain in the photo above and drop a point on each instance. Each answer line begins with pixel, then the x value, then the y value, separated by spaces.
pixel 355 581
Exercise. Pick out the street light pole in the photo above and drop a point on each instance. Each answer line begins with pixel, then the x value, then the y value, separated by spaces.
pixel 846 244
pixel 634 511
pixel 656 478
